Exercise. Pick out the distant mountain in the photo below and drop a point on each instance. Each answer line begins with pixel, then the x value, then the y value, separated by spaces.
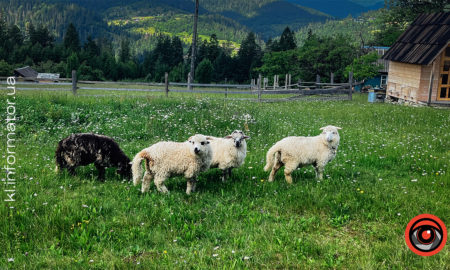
pixel 138 19
pixel 271 19
pixel 341 8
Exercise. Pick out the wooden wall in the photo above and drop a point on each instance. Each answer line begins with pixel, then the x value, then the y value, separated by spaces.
pixel 425 81
pixel 404 81
pixel 411 82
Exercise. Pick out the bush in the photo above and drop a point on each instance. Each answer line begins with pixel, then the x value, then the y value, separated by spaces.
pixel 204 71
pixel 5 68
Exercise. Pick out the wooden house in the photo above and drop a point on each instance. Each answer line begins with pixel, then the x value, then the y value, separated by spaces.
pixel 380 80
pixel 419 67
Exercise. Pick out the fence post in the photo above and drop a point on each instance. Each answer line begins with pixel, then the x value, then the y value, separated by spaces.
pixel 332 78
pixel 189 81
pixel 286 82
pixel 226 90
pixel 259 88
pixel 299 84
pixel 317 81
pixel 74 82
pixel 350 82
pixel 290 80
pixel 166 80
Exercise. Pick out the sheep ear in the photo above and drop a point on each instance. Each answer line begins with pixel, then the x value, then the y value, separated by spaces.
pixel 209 138
pixel 338 127
pixel 190 138
pixel 228 137
pixel 246 137
pixel 322 128
pixel 131 163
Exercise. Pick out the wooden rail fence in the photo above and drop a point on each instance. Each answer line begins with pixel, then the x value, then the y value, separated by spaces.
pixel 259 87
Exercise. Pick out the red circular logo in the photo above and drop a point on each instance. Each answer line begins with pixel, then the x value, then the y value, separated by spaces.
pixel 426 235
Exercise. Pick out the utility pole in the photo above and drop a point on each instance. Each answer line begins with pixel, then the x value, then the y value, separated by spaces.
pixel 194 46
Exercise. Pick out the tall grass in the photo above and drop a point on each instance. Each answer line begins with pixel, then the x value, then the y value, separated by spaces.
pixel 392 165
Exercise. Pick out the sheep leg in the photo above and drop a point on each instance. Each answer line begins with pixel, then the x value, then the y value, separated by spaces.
pixel 319 172
pixel 224 175
pixel 146 182
pixel 275 168
pixel 159 182
pixel 288 176
pixel 229 172
pixel 191 185
pixel 101 172
pixel 71 170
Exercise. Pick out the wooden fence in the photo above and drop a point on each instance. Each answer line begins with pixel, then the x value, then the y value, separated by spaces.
pixel 259 88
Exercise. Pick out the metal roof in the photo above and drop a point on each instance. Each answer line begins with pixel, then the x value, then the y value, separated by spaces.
pixel 424 39
pixel 26 72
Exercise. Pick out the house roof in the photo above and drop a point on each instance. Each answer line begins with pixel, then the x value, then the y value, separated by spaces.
pixel 27 72
pixel 424 39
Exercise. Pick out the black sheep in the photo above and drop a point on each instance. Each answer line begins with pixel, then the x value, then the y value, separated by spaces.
pixel 85 148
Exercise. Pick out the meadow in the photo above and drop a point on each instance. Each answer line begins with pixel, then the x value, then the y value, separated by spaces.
pixel 392 164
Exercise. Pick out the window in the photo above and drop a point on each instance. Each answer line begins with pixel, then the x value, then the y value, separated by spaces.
pixel 383 80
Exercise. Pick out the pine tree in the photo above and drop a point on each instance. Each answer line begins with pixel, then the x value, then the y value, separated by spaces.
pixel 71 39
pixel 249 56
pixel 287 40
pixel 125 54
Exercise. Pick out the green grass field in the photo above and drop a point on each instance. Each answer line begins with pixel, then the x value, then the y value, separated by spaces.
pixel 392 164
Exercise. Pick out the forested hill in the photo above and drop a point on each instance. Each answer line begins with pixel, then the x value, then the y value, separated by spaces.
pixel 229 19
pixel 341 8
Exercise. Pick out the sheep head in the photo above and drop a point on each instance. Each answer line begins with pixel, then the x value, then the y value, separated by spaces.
pixel 238 137
pixel 331 134
pixel 199 145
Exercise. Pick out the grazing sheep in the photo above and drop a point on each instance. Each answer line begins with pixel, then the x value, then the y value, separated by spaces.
pixel 294 152
pixel 166 159
pixel 229 152
pixel 85 148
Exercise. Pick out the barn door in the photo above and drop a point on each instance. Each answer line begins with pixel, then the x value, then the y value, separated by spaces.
pixel 444 77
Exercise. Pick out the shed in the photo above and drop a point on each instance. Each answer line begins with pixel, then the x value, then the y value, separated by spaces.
pixel 419 67
pixel 26 72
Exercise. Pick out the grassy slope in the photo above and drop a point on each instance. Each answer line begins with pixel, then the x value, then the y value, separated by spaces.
pixel 354 219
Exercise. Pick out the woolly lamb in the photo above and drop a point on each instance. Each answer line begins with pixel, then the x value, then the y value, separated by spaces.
pixel 229 152
pixel 294 152
pixel 84 148
pixel 166 159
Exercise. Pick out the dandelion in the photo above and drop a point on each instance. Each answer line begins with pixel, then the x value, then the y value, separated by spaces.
pixel 246 258
pixel 165 252
pixel 362 192
pixel 215 255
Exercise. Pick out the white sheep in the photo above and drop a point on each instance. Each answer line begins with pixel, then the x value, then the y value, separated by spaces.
pixel 166 159
pixel 229 152
pixel 294 152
